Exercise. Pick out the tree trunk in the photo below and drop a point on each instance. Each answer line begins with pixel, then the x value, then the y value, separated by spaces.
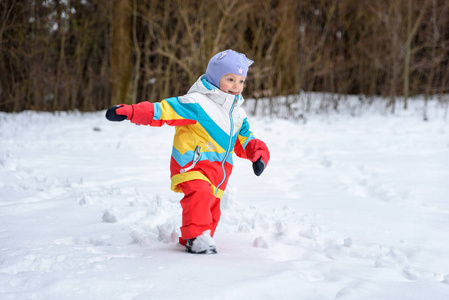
pixel 121 54
pixel 408 54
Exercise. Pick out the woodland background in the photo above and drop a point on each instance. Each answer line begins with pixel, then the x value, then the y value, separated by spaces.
pixel 90 54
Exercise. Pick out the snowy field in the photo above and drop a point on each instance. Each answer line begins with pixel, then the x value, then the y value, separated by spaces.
pixel 350 207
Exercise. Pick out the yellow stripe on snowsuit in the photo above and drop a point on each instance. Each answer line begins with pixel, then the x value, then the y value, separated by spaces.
pixel 190 136
pixel 167 112
pixel 193 175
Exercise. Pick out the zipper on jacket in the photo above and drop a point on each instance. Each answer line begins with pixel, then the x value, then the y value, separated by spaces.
pixel 196 159
pixel 231 134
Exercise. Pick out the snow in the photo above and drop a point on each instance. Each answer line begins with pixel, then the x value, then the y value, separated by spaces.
pixel 349 207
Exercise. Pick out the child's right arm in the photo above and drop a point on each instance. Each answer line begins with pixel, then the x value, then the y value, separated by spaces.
pixel 169 111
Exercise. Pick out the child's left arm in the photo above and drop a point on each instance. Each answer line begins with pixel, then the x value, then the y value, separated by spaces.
pixel 251 148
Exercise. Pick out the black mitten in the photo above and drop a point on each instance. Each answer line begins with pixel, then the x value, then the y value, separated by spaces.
pixel 258 166
pixel 112 115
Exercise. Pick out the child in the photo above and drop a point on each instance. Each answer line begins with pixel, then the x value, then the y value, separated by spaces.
pixel 209 126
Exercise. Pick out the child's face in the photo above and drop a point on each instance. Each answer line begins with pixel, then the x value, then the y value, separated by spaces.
pixel 232 84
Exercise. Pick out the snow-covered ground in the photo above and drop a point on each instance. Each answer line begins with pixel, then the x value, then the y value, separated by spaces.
pixel 350 207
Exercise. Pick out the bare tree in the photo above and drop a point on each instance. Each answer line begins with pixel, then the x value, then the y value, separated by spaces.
pixel 89 54
pixel 121 54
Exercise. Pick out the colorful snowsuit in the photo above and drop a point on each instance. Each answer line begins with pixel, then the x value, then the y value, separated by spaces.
pixel 210 126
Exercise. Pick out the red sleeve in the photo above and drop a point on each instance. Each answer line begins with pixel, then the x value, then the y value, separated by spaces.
pixel 141 113
pixel 256 149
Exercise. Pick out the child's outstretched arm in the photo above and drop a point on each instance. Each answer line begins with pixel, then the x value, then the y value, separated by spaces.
pixel 170 111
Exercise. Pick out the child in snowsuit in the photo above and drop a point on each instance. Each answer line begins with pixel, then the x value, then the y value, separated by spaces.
pixel 210 126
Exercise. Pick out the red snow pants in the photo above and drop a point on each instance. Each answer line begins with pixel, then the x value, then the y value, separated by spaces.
pixel 200 209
